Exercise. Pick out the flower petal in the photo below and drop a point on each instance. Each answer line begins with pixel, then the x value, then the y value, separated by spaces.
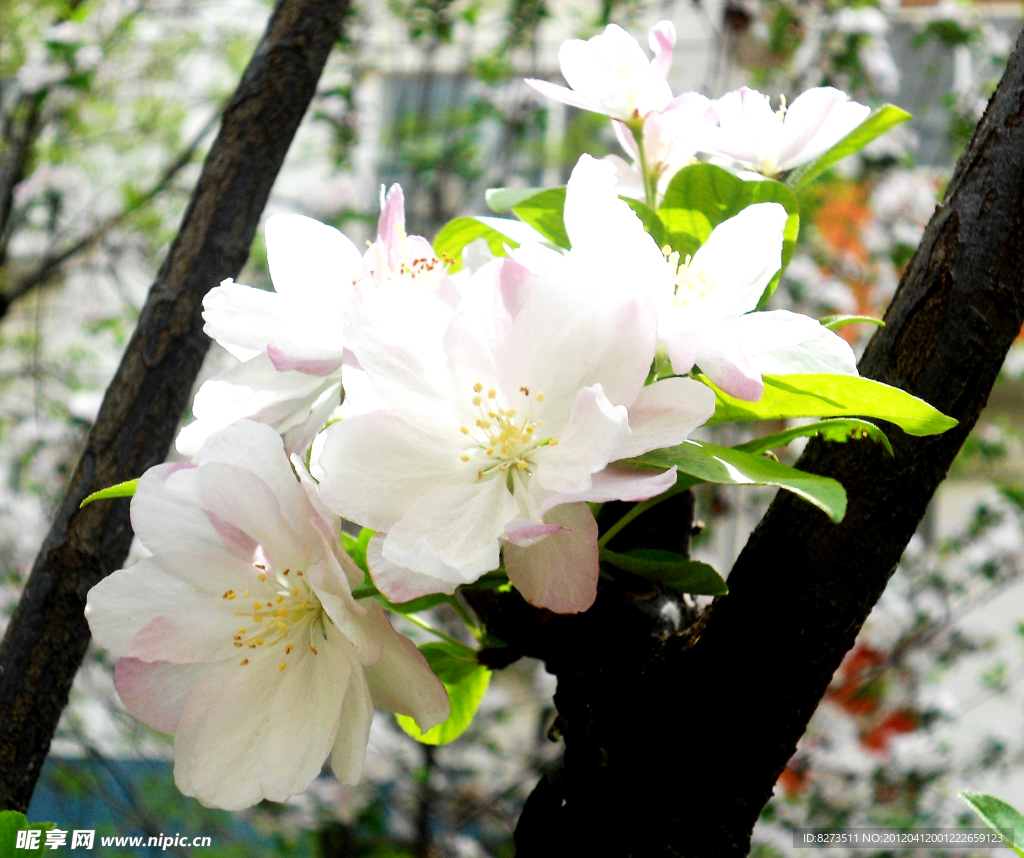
pixel 399 584
pixel 453 527
pixel 243 319
pixel 559 572
pixel 156 693
pixel 401 680
pixel 595 433
pixel 376 465
pixel 252 732
pixel 816 121
pixel 740 258
pixel 311 261
pixel 617 482
pixel 665 413
pixel 779 342
pixel 662 39
pixel 723 361
pixel 349 750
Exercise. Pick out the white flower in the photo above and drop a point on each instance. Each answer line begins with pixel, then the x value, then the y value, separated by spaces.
pixel 503 430
pixel 769 142
pixel 671 139
pixel 291 340
pixel 611 74
pixel 240 634
pixel 704 303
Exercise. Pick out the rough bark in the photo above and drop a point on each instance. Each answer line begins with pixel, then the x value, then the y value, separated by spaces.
pixel 676 750
pixel 47 637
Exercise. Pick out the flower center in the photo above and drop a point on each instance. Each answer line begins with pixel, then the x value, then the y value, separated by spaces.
pixel 503 439
pixel 427 270
pixel 691 283
pixel 278 608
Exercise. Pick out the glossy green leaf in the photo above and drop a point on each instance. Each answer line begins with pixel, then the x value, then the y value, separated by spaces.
pixel 466 682
pixel 875 125
pixel 836 429
pixel 121 490
pixel 999 816
pixel 355 546
pixel 650 219
pixel 701 196
pixel 497 232
pixel 11 822
pixel 729 466
pixel 825 395
pixel 673 570
pixel 835 322
pixel 543 208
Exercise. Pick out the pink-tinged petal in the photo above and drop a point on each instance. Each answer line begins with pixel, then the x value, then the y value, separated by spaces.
pixel 253 390
pixel 563 95
pixel 243 319
pixel 740 258
pixel 310 261
pixel 617 482
pixel 156 693
pixel 257 448
pixel 349 750
pixel 815 122
pixel 129 599
pixel 166 511
pixel 586 341
pixel 682 344
pixel 525 532
pixel 453 528
pixel 391 225
pixel 375 466
pixel 252 732
pixel 284 359
pixel 626 139
pixel 399 584
pixel 401 680
pixel 236 541
pixel 665 413
pixel 662 38
pixel 299 437
pixel 723 361
pixel 560 572
pixel 593 436
pixel 244 500
pixel 779 342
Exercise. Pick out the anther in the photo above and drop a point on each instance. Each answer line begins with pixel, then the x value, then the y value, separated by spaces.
pixel 281 666
pixel 288 649
pixel 477 400
pixel 312 649
pixel 464 430
pixel 540 397
pixel 230 594
pixel 262 576
pixel 243 662
pixel 492 393
pixel 478 387
pixel 464 457
pixel 245 593
pixel 257 606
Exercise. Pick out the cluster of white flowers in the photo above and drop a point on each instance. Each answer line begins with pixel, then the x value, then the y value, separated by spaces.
pixel 483 411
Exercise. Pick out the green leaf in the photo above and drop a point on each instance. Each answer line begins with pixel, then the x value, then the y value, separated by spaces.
pixel 11 822
pixel 998 816
pixel 826 395
pixel 649 217
pixel 413 606
pixel 875 125
pixel 701 196
pixel 466 682
pixel 729 466
pixel 121 490
pixel 355 546
pixel 839 429
pixel 674 570
pixel 543 208
pixel 835 322
pixel 497 232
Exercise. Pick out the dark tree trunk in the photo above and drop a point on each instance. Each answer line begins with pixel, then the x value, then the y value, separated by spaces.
pixel 47 637
pixel 673 746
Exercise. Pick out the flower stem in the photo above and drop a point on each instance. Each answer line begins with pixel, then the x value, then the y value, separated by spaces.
pixel 650 187
pixel 437 632
pixel 465 616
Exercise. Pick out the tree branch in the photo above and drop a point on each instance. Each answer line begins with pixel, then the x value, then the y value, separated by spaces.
pixel 678 752
pixel 53 261
pixel 47 637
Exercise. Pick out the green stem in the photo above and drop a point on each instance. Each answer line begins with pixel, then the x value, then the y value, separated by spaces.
pixel 650 186
pixel 465 616
pixel 445 637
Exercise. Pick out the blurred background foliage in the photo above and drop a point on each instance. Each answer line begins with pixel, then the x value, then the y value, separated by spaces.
pixel 106 110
